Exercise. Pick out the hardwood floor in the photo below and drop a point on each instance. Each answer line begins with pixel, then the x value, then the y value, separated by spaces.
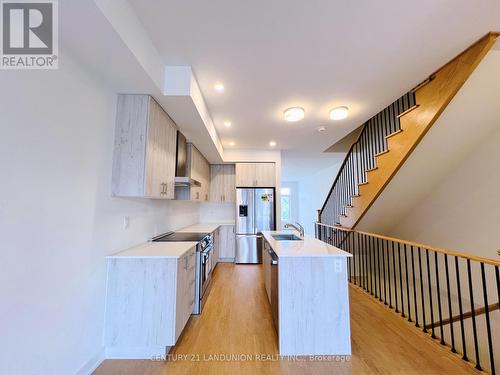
pixel 237 321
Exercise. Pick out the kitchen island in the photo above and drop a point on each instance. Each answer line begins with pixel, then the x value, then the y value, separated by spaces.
pixel 306 282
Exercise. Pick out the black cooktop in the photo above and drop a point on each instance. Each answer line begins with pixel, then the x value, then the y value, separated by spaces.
pixel 180 237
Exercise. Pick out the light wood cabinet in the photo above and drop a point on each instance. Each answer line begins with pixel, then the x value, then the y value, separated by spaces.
pixel 198 168
pixel 266 263
pixel 265 174
pixel 222 183
pixel 227 243
pixel 148 301
pixel 185 290
pixel 255 175
pixel 216 235
pixel 144 150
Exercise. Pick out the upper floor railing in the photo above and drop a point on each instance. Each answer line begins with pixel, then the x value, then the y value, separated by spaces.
pixel 453 296
pixel 361 158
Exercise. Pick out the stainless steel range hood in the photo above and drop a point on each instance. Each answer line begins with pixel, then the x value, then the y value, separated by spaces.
pixel 181 169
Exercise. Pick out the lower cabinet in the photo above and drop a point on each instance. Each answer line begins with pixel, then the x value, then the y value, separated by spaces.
pixel 148 303
pixel 227 243
pixel 266 263
pixel 185 290
pixel 216 235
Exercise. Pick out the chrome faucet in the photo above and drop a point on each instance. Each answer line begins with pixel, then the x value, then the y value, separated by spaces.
pixel 299 228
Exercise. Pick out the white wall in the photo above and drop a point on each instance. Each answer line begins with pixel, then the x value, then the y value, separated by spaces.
pixel 463 211
pixel 312 174
pixel 58 219
pixel 211 212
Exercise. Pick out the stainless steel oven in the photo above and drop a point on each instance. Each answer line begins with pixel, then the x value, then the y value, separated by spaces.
pixel 204 262
pixel 204 267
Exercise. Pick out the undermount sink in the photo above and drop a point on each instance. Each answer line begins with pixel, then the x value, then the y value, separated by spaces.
pixel 286 237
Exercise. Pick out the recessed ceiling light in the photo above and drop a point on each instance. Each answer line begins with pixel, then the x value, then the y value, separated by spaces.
pixel 219 87
pixel 227 124
pixel 231 143
pixel 339 113
pixel 272 143
pixel 321 129
pixel 294 114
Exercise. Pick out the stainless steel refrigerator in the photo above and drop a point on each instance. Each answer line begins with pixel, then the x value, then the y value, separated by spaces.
pixel 255 209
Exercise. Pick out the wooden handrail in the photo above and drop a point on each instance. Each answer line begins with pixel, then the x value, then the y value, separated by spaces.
pixel 466 315
pixel 423 246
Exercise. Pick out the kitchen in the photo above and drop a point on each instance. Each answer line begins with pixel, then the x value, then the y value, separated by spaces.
pixel 154 289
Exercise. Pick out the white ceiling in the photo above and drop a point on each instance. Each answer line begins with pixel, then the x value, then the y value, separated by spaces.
pixel 317 54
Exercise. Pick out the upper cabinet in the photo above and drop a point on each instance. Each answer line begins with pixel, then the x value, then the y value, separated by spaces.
pixel 222 183
pixel 255 175
pixel 198 168
pixel 145 149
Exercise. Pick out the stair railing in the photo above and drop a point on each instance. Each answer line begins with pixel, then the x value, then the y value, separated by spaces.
pixel 361 158
pixel 454 297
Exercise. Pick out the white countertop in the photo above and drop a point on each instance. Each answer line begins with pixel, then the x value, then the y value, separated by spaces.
pixel 308 247
pixel 167 249
pixel 203 227
pixel 156 250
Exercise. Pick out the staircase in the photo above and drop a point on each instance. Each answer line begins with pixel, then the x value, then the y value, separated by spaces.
pixel 388 138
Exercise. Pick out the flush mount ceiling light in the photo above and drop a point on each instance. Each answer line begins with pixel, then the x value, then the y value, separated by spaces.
pixel 227 124
pixel 272 143
pixel 294 114
pixel 219 87
pixel 321 129
pixel 339 113
pixel 231 143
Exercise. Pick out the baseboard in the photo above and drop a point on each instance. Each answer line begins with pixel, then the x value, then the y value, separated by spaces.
pixel 94 362
pixel 114 352
pixel 226 260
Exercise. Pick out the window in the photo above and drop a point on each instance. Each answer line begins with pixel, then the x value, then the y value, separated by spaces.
pixel 286 205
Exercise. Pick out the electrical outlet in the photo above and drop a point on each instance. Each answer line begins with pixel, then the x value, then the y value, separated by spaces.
pixel 338 266
pixel 126 222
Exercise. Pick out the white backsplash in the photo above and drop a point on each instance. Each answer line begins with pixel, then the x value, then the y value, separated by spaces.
pixel 216 212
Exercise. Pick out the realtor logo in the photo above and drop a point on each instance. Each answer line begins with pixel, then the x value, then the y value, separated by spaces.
pixel 29 35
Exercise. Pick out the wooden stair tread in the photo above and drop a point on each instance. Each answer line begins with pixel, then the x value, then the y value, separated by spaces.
pixel 393 134
pixel 382 153
pixel 372 169
pixel 363 183
pixel 408 111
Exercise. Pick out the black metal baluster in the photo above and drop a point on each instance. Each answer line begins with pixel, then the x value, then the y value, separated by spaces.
pixel 367 269
pixel 349 250
pixel 383 270
pixel 430 292
pixel 401 282
pixel 389 273
pixel 473 315
pixel 487 317
pixel 450 311
pixel 460 311
pixel 370 240
pixel 394 278
pixel 421 289
pixel 368 264
pixel 353 248
pixel 407 285
pixel 414 287
pixel 378 271
pixel 441 329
